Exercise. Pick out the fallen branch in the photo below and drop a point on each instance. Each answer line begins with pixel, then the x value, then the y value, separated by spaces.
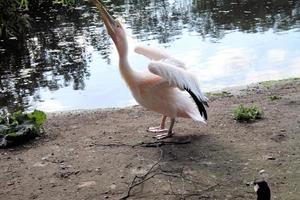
pixel 160 143
pixel 113 145
pixel 138 180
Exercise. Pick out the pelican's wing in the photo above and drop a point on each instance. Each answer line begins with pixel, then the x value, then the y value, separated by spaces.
pixel 182 79
pixel 158 54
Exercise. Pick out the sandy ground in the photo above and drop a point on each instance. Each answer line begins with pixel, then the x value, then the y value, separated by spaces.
pixel 97 154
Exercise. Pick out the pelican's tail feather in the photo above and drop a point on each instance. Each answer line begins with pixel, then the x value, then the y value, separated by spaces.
pixel 199 104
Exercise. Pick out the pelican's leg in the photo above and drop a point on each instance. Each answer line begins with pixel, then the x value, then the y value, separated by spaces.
pixel 169 133
pixel 160 128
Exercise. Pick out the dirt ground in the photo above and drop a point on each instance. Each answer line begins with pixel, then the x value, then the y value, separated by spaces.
pixel 97 154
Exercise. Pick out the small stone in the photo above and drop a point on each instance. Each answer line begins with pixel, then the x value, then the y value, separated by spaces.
pixel 74 127
pixel 87 184
pixel 39 164
pixel 106 197
pixel 262 171
pixel 113 186
pixel 10 183
pixel 20 159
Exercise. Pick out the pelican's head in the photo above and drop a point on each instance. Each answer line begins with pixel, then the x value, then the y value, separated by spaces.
pixel 114 28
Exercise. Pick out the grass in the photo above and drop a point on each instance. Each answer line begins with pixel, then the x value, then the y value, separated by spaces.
pixel 245 114
pixel 220 94
pixel 274 97
pixel 269 84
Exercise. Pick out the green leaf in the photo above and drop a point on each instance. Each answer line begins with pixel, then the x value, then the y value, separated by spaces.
pixel 4 129
pixel 21 128
pixel 38 117
pixel 243 113
pixel 19 117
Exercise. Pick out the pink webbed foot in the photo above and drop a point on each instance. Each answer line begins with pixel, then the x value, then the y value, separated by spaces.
pixel 164 135
pixel 157 129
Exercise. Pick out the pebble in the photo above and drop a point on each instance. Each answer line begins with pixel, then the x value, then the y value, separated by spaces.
pixel 10 183
pixel 271 158
pixel 262 171
pixel 87 184
pixel 39 164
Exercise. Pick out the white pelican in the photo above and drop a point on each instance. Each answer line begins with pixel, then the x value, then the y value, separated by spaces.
pixel 167 87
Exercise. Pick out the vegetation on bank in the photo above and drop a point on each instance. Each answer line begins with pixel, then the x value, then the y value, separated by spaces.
pixel 246 114
pixel 270 83
pixel 20 127
pixel 274 97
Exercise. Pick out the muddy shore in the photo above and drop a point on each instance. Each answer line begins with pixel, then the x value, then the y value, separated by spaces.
pixel 96 154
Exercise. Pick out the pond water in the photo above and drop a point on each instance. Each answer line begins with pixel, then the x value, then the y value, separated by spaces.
pixel 69 62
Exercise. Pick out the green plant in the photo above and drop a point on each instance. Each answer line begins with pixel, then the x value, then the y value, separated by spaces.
pixel 20 127
pixel 220 94
pixel 244 113
pixel 274 97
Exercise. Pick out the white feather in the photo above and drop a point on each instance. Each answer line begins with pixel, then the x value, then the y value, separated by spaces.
pixel 158 54
pixel 178 77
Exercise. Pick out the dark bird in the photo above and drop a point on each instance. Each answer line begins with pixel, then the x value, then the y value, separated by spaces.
pixel 262 190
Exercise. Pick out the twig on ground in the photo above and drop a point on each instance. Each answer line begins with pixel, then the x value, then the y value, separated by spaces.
pixel 157 143
pixel 160 143
pixel 113 145
pixel 156 169
pixel 138 180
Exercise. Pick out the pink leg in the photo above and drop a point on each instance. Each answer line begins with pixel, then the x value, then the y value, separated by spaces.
pixel 160 128
pixel 169 133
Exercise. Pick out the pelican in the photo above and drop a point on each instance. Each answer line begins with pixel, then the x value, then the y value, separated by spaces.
pixel 166 87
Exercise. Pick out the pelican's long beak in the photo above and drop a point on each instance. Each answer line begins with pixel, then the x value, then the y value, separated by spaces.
pixel 108 20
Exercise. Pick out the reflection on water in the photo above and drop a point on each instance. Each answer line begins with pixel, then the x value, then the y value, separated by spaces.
pixel 69 62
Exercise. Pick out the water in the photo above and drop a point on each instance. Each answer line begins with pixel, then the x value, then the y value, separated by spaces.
pixel 69 62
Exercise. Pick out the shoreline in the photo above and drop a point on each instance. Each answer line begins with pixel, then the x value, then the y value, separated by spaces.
pixel 96 154
pixel 234 90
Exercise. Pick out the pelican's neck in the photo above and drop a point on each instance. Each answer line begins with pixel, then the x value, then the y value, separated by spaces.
pixel 128 74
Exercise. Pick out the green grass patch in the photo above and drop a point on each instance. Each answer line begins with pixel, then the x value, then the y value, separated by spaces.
pixel 220 94
pixel 269 84
pixel 245 114
pixel 274 97
pixel 20 127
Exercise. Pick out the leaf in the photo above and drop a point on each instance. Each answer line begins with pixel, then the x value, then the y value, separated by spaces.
pixel 4 129
pixel 21 127
pixel 243 113
pixel 38 117
pixel 19 117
